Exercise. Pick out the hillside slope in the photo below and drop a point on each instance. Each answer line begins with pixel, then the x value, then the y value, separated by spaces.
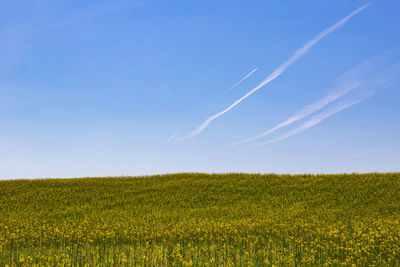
pixel 200 219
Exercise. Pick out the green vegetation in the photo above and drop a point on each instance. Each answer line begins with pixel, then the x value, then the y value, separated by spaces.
pixel 202 220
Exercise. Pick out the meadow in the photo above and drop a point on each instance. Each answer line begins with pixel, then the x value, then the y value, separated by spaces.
pixel 202 220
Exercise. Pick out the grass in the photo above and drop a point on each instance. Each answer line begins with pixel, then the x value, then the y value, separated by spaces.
pixel 202 220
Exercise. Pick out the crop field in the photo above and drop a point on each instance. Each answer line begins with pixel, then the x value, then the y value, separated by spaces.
pixel 202 220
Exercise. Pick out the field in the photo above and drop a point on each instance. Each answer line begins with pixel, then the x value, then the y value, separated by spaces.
pixel 202 220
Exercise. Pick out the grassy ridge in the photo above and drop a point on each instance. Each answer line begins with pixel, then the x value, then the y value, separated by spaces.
pixel 200 219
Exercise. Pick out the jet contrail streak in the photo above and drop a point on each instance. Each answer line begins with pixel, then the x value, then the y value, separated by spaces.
pixel 304 112
pixel 244 78
pixel 373 83
pixel 360 154
pixel 312 122
pixel 173 136
pixel 349 81
pixel 298 54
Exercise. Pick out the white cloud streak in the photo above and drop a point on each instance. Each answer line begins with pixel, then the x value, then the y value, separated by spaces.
pixel 173 136
pixel 360 154
pixel 364 73
pixel 97 11
pixel 298 54
pixel 306 111
pixel 239 82
pixel 371 89
pixel 313 121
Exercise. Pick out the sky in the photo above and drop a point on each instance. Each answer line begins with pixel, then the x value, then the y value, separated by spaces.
pixel 121 88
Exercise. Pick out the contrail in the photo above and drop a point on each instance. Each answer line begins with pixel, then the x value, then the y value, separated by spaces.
pixel 326 114
pixel 365 72
pixel 360 154
pixel 244 78
pixel 173 136
pixel 374 82
pixel 304 112
pixel 298 54
pixel 312 122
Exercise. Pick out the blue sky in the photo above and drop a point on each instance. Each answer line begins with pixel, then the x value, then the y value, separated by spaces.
pixel 97 88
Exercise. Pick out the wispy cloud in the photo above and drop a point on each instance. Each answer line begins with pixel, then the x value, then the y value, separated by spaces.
pixel 19 37
pixel 360 154
pixel 172 137
pixel 97 11
pixel 239 82
pixel 312 122
pixel 306 111
pixel 365 73
pixel 298 54
pixel 369 91
pixel 42 25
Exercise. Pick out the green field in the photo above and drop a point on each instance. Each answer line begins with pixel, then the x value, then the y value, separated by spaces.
pixel 202 220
